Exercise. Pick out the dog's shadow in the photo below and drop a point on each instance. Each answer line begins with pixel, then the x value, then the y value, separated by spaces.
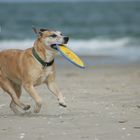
pixel 34 115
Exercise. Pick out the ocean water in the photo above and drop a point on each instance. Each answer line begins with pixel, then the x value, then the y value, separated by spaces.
pixel 94 28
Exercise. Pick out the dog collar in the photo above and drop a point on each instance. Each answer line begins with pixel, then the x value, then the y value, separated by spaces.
pixel 45 64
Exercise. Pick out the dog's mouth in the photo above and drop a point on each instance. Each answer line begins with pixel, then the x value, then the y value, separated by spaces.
pixel 55 46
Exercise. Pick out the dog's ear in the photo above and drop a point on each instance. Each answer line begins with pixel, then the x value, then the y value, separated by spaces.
pixel 42 30
pixel 39 32
pixel 35 30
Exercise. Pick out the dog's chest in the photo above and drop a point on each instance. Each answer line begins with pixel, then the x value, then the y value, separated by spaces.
pixel 43 75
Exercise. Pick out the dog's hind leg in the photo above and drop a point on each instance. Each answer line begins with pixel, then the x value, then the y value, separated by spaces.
pixel 6 85
pixel 17 89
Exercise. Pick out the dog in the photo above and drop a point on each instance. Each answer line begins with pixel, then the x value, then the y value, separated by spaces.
pixel 31 67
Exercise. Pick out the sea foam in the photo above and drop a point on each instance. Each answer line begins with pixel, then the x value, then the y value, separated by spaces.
pixel 92 47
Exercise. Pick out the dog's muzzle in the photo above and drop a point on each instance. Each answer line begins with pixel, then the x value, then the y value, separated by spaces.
pixel 66 39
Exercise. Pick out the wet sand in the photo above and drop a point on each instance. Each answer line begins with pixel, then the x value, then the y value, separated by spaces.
pixel 103 104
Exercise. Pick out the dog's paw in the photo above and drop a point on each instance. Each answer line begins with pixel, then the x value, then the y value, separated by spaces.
pixel 63 104
pixel 36 111
pixel 27 107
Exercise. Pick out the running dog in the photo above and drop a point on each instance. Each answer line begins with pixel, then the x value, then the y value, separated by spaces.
pixel 31 67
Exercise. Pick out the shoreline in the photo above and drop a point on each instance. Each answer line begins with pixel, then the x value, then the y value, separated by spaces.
pixel 99 60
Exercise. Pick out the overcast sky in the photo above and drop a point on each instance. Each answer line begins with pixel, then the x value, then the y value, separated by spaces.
pixel 58 0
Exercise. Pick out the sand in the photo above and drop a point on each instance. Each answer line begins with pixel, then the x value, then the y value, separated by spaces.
pixel 103 104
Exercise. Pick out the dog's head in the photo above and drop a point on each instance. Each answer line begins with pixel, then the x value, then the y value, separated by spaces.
pixel 51 38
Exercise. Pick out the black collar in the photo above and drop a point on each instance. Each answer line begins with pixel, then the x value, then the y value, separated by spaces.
pixel 45 64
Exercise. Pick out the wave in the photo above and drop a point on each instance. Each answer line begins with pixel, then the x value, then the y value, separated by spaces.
pixel 16 44
pixel 98 46
pixel 92 47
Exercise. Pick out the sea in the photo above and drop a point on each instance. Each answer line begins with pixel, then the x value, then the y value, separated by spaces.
pixel 105 28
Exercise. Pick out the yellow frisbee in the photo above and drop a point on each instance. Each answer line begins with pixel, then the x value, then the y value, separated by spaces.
pixel 70 55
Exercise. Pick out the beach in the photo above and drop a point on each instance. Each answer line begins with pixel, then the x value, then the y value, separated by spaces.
pixel 103 100
pixel 102 104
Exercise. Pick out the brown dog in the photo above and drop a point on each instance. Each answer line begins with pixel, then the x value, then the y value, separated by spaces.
pixel 31 67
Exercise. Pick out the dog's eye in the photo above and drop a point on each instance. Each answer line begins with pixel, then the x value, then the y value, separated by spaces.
pixel 53 35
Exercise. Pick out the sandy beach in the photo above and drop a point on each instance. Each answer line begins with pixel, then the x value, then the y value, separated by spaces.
pixel 103 104
pixel 103 100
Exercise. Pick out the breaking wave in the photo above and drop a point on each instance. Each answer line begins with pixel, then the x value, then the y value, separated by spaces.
pixel 115 47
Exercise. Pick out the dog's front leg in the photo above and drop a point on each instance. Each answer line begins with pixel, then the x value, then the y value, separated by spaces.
pixel 31 90
pixel 54 89
pixel 52 86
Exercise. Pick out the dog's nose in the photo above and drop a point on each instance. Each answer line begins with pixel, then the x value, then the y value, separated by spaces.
pixel 66 39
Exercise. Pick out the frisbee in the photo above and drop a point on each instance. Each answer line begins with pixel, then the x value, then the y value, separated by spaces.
pixel 70 56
